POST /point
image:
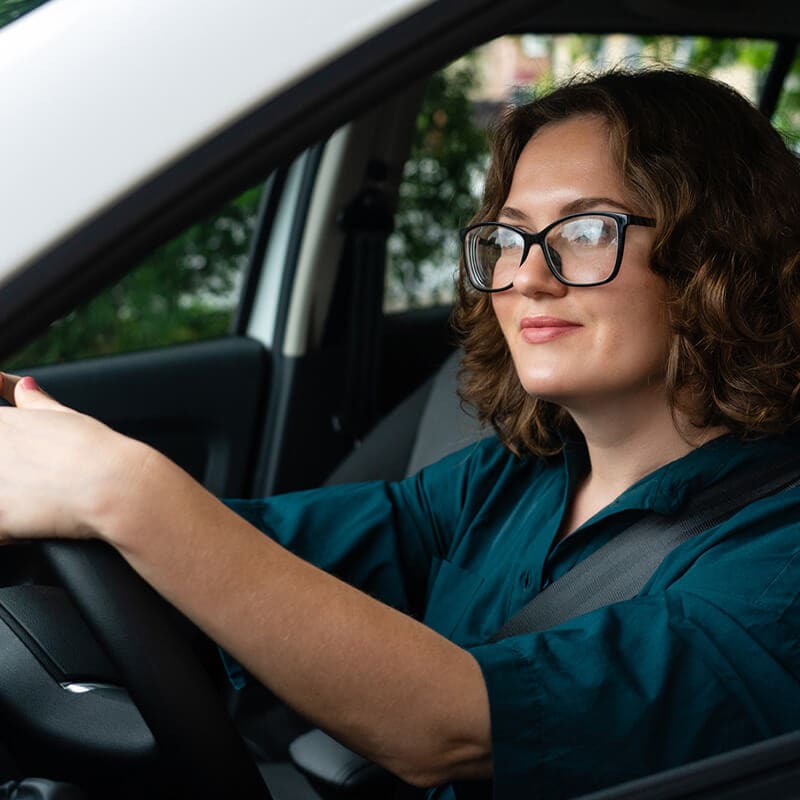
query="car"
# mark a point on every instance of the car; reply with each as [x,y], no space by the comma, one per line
[229,230]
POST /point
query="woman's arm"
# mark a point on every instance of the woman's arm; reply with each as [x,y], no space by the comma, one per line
[376,679]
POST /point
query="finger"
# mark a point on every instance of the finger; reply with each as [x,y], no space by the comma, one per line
[28,394]
[8,384]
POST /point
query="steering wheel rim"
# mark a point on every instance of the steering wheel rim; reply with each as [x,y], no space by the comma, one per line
[200,749]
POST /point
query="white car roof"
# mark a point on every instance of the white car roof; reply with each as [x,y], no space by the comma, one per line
[98,96]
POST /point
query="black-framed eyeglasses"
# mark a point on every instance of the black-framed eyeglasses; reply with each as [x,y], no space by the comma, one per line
[582,249]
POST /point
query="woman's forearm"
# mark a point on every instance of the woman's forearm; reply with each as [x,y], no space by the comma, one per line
[376,679]
[384,684]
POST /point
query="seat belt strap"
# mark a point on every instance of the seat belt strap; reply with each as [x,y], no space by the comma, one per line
[367,222]
[620,568]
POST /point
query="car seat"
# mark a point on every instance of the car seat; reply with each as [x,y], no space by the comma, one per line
[428,425]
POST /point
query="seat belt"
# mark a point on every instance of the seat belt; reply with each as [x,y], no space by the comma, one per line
[617,571]
[621,567]
[367,222]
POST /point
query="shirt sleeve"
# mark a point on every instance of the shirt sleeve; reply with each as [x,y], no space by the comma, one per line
[631,689]
[380,537]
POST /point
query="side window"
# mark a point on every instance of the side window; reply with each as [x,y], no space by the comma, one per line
[787,115]
[186,290]
[14,9]
[440,190]
[443,177]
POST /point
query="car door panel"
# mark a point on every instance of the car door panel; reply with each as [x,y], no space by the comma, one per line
[200,404]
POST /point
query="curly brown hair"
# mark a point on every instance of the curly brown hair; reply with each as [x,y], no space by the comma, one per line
[725,192]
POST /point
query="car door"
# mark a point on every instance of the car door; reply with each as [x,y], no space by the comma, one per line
[199,351]
[229,407]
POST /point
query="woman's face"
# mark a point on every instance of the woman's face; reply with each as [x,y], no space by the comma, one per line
[576,346]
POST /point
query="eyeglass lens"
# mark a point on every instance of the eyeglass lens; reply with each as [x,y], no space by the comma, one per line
[582,250]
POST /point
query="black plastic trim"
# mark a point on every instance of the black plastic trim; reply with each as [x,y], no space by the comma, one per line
[765,769]
[307,181]
[769,19]
[24,636]
[277,409]
[46,622]
[169,398]
[270,201]
[53,730]
[778,70]
[203,756]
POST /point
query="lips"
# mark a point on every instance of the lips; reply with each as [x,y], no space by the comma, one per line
[545,329]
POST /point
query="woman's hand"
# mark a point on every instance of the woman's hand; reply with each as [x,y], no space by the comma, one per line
[332,652]
[59,469]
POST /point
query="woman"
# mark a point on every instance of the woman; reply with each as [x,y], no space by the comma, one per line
[628,312]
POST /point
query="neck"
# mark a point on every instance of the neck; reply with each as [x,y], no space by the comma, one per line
[627,441]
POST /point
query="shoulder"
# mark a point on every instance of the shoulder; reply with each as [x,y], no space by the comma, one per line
[751,559]
[481,478]
[485,460]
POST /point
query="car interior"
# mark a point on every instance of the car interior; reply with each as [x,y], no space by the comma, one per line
[333,362]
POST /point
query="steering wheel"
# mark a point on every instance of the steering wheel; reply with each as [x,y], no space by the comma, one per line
[203,755]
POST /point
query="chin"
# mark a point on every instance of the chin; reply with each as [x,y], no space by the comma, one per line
[549,390]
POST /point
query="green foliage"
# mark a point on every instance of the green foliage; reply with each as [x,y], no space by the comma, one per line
[13,9]
[440,190]
[710,54]
[787,115]
[585,47]
[184,291]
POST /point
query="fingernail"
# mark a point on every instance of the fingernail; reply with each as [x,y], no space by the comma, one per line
[29,383]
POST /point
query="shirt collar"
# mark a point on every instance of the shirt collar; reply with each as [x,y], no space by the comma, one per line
[666,489]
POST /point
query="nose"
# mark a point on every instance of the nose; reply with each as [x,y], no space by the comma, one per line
[534,276]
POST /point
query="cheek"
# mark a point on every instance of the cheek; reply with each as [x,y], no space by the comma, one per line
[503,311]
[638,328]
[644,331]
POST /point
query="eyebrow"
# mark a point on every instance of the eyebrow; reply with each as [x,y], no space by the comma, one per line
[573,207]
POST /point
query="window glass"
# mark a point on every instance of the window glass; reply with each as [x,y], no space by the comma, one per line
[186,290]
[787,115]
[14,9]
[442,181]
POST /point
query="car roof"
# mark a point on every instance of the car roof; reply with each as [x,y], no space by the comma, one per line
[93,107]
[127,130]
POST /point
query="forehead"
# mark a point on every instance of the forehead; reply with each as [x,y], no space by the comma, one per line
[564,161]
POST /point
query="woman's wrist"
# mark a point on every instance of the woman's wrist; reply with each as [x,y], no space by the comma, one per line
[124,492]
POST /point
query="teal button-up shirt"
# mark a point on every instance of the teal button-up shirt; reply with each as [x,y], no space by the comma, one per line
[704,659]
